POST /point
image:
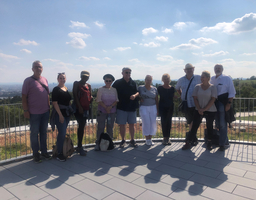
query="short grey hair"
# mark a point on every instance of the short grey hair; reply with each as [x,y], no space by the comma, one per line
[207,74]
[218,65]
[36,62]
[126,68]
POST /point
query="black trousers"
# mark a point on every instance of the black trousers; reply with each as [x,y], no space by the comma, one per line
[197,119]
[81,120]
[166,120]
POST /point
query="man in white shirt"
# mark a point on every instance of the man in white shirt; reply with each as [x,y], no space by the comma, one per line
[226,89]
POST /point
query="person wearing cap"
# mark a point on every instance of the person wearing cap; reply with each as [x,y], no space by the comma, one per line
[82,99]
[226,92]
[107,99]
[182,88]
[36,105]
[127,91]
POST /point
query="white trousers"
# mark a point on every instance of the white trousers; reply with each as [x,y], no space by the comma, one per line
[148,117]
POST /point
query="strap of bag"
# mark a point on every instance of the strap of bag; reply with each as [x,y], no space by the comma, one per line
[188,88]
[43,85]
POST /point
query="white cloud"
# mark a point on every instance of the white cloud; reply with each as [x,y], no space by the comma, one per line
[147,31]
[77,43]
[135,43]
[239,25]
[52,60]
[164,58]
[182,25]
[25,50]
[99,24]
[5,56]
[88,58]
[104,50]
[161,38]
[78,35]
[185,47]
[134,60]
[77,24]
[25,42]
[122,48]
[202,41]
[167,30]
[107,58]
[248,54]
[219,53]
[151,44]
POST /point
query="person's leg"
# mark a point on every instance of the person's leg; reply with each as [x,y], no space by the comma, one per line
[169,121]
[101,119]
[145,118]
[164,123]
[81,125]
[131,130]
[131,119]
[221,123]
[196,122]
[62,129]
[210,116]
[43,131]
[110,124]
[34,130]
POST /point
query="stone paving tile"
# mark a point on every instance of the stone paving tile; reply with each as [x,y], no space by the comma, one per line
[49,197]
[245,192]
[213,183]
[183,184]
[194,161]
[150,164]
[83,196]
[123,174]
[155,186]
[117,196]
[27,190]
[93,189]
[175,171]
[124,187]
[250,175]
[18,168]
[168,161]
[218,194]
[97,176]
[226,169]
[60,190]
[9,179]
[5,194]
[201,170]
[183,194]
[238,180]
[149,195]
[137,153]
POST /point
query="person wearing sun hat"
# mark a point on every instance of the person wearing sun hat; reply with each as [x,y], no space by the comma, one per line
[184,88]
[107,99]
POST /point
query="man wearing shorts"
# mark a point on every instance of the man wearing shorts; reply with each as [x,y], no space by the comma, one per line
[182,86]
[127,91]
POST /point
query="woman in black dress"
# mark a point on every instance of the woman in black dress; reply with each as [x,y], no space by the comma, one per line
[166,92]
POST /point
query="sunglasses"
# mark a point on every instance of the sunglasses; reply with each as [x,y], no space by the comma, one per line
[108,81]
[63,73]
[128,72]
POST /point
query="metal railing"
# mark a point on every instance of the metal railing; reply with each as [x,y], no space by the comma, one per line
[15,131]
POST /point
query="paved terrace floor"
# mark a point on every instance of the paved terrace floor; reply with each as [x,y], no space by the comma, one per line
[155,172]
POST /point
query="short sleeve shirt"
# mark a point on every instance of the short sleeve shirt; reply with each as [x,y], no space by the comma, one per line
[37,95]
[182,85]
[204,96]
[148,96]
[166,97]
[108,96]
[124,91]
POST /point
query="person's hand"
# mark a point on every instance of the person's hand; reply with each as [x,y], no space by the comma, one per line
[132,97]
[108,109]
[81,110]
[61,119]
[227,107]
[201,111]
[27,115]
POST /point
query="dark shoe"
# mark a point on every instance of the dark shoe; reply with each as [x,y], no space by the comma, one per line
[122,144]
[164,142]
[61,158]
[46,156]
[209,146]
[186,146]
[133,143]
[222,148]
[37,158]
[227,145]
[81,151]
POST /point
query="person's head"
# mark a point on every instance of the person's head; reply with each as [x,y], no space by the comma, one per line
[218,69]
[61,78]
[205,77]
[84,76]
[166,79]
[108,79]
[37,68]
[126,72]
[189,69]
[148,80]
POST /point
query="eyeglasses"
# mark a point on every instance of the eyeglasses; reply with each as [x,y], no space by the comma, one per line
[63,73]
[128,72]
[108,81]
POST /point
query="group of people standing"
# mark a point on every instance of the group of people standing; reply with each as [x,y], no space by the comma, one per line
[118,102]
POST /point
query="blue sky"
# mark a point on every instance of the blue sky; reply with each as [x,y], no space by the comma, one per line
[150,37]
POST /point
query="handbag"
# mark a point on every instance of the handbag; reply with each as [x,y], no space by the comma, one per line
[183,107]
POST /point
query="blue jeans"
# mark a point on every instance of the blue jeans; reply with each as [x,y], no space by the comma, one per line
[62,128]
[38,124]
[221,123]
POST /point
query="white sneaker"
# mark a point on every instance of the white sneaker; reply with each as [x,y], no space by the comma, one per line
[148,142]
[152,143]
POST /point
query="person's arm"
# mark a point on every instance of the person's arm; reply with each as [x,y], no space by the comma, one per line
[25,106]
[57,108]
[75,94]
[210,103]
[132,97]
[156,98]
[199,109]
[228,105]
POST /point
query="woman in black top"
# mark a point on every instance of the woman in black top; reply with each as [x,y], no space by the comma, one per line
[61,101]
[166,92]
